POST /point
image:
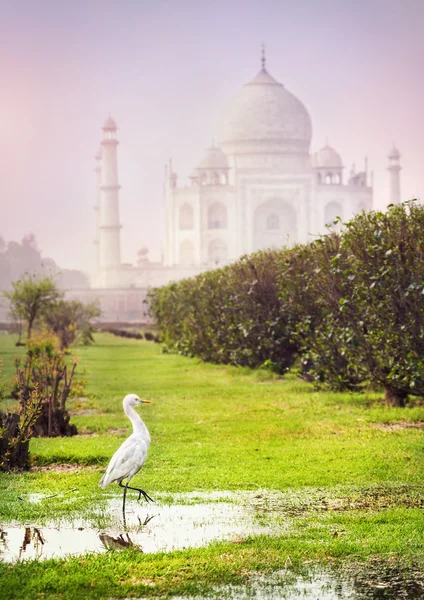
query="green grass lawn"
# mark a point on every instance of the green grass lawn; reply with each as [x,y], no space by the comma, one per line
[222,428]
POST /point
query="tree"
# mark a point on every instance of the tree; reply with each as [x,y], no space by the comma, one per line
[31,297]
[71,319]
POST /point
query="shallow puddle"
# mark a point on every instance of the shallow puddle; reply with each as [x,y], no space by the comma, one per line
[370,581]
[152,528]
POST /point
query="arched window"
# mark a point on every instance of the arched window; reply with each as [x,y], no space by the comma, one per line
[319,177]
[186,217]
[328,178]
[217,251]
[186,253]
[336,179]
[332,211]
[217,216]
[224,179]
[215,179]
[204,179]
[273,221]
[274,224]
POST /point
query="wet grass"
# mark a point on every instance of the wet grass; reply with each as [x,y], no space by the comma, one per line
[350,488]
[361,536]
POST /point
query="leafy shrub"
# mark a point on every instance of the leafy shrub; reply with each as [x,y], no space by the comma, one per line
[385,306]
[351,304]
[311,283]
[231,315]
[71,320]
[45,367]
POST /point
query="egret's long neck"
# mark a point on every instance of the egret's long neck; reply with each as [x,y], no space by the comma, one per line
[137,422]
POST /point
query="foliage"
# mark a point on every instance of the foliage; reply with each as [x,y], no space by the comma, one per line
[45,368]
[231,315]
[31,297]
[71,320]
[384,309]
[351,304]
[360,301]
[17,430]
[17,258]
[311,283]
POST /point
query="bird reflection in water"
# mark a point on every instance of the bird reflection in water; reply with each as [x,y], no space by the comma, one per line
[123,540]
[35,536]
[119,542]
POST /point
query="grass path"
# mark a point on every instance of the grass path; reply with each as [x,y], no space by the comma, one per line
[223,428]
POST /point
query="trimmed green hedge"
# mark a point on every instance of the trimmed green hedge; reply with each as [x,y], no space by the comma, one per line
[351,305]
[231,315]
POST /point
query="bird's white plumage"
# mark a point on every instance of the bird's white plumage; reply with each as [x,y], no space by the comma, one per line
[127,461]
[132,454]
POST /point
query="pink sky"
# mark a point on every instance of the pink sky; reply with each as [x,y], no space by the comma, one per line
[165,69]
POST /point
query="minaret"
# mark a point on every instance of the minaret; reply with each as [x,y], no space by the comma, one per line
[109,226]
[394,170]
[98,171]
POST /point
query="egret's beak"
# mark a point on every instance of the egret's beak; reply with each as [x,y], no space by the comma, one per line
[146,401]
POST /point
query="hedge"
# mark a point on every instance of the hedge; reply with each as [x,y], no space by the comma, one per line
[349,305]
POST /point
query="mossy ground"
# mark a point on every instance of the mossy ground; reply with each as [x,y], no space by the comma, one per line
[352,489]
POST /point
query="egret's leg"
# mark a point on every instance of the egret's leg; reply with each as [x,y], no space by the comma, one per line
[140,492]
[125,495]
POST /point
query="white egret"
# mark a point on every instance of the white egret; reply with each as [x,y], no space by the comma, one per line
[131,456]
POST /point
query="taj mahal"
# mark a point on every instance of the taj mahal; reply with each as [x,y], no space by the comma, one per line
[259,187]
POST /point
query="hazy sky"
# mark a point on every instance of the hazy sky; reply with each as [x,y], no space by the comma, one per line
[164,69]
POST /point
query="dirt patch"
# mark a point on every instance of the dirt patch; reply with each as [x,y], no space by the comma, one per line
[65,468]
[82,406]
[84,432]
[399,425]
[119,431]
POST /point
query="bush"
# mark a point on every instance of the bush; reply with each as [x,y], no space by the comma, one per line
[350,304]
[231,315]
[385,307]
[311,283]
[71,320]
[45,368]
[358,302]
[15,430]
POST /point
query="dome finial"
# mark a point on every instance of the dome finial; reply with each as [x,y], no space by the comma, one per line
[263,57]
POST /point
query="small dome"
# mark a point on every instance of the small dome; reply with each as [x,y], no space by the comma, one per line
[327,157]
[264,113]
[109,124]
[394,153]
[213,158]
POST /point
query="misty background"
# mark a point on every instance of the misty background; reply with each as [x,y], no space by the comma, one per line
[165,70]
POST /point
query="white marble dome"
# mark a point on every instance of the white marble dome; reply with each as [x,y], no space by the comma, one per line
[264,115]
[213,158]
[327,157]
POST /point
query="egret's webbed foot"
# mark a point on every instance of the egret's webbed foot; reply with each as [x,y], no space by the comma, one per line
[140,492]
[145,496]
